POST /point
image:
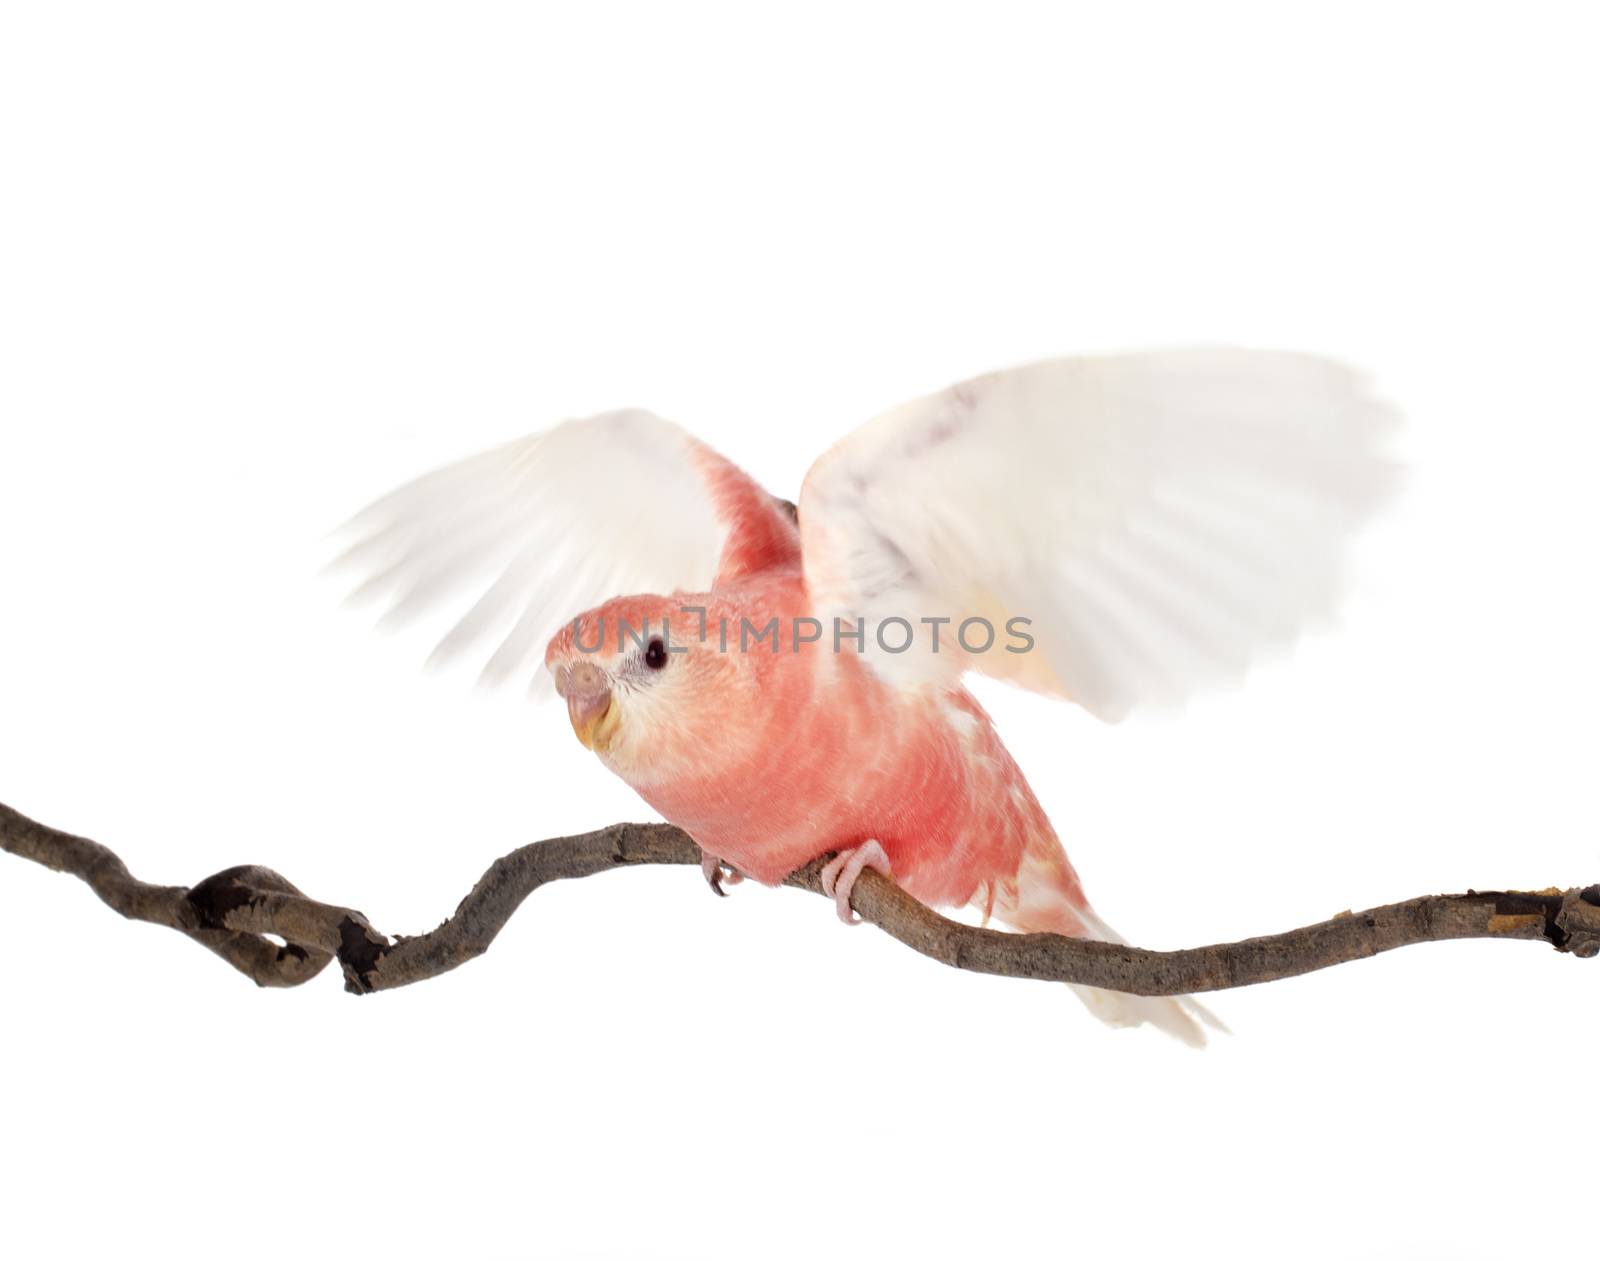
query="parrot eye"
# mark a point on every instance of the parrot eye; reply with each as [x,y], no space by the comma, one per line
[655,656]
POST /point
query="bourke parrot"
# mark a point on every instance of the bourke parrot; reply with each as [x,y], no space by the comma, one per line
[784,682]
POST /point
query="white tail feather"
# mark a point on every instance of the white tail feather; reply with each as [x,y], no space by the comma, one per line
[1047,898]
[1182,1017]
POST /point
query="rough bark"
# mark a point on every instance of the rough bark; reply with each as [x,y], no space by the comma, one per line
[231,912]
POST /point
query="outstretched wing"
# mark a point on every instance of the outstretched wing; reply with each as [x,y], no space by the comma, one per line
[522,538]
[1162,519]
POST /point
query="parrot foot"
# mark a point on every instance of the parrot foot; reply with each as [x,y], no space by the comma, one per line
[839,876]
[716,871]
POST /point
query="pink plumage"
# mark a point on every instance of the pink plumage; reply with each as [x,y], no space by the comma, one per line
[840,755]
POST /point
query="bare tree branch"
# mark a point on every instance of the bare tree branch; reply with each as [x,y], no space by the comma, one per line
[231,912]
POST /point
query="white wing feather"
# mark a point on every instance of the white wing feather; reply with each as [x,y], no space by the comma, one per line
[1164,519]
[518,540]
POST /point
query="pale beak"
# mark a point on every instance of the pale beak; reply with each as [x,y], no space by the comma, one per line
[590,707]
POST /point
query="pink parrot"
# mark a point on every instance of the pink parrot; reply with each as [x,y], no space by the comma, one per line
[1115,531]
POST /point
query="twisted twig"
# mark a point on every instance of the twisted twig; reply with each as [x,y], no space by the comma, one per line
[230,911]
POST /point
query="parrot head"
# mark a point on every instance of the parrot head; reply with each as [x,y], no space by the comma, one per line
[645,689]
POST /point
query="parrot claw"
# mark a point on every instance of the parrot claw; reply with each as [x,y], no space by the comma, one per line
[716,871]
[839,876]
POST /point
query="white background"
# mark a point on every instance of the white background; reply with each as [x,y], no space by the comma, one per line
[259,263]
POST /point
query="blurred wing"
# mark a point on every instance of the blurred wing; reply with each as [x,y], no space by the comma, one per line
[1163,519]
[518,540]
